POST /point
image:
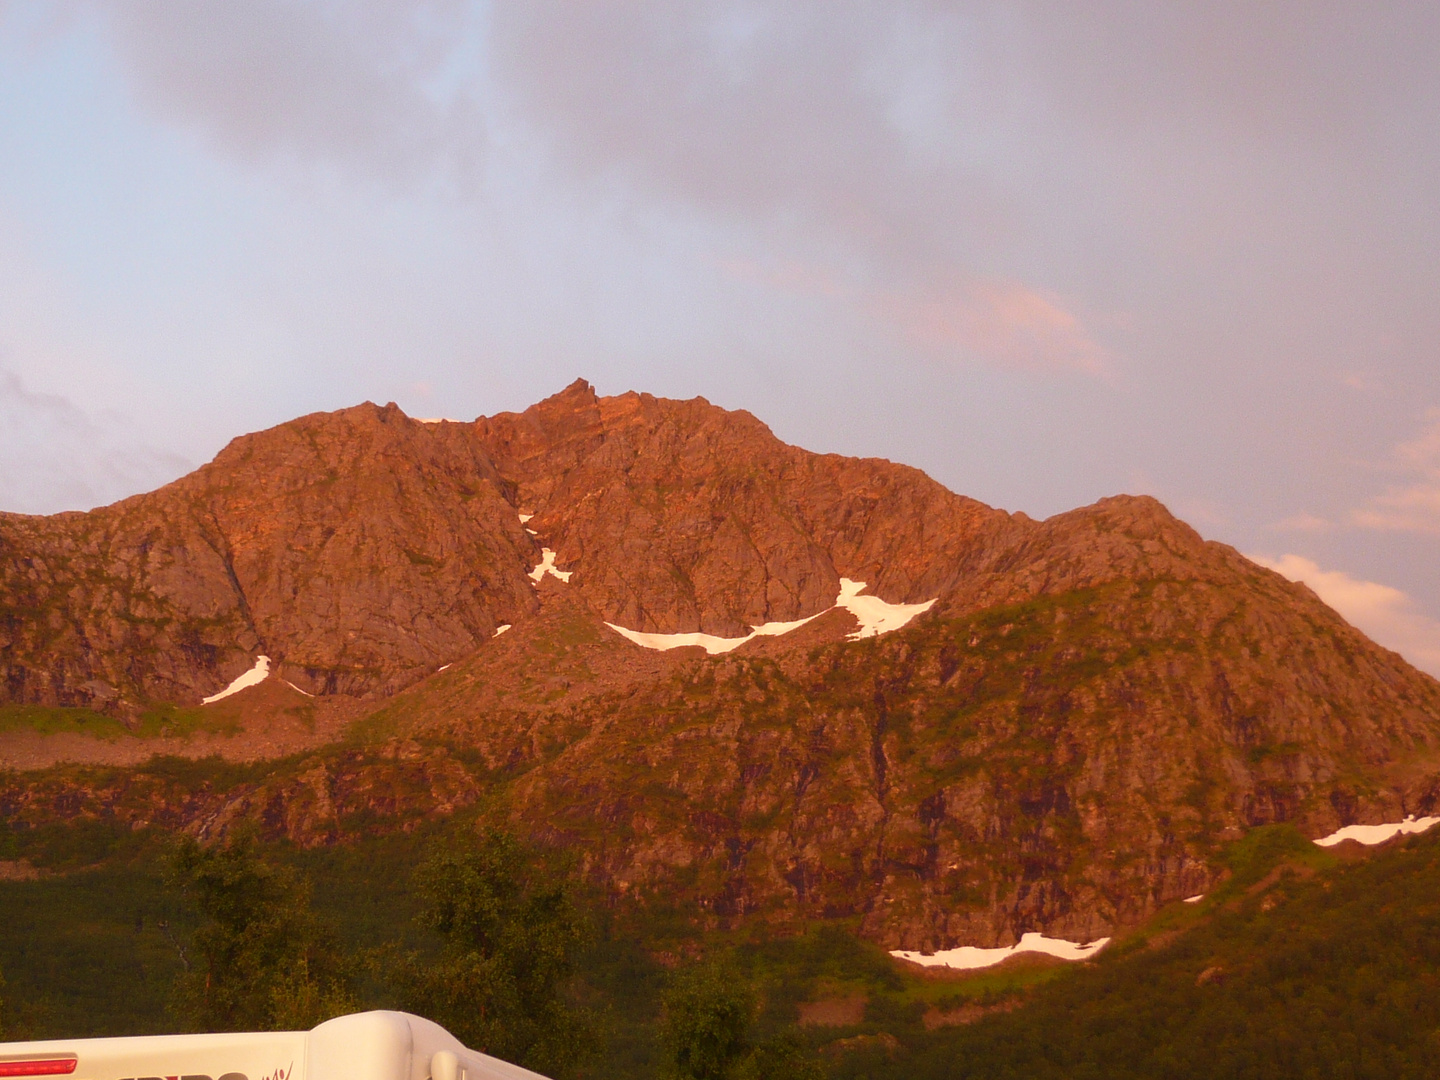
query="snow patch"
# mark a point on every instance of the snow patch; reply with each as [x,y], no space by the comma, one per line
[968,957]
[532,532]
[874,615]
[297,689]
[254,677]
[501,628]
[525,518]
[547,566]
[1195,899]
[1377,834]
[444,667]
[709,642]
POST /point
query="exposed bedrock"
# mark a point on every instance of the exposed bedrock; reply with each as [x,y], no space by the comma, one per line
[1093,704]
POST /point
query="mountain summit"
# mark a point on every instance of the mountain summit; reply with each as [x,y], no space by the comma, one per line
[773,683]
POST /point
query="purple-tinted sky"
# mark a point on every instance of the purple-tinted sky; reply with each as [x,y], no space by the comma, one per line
[1046,252]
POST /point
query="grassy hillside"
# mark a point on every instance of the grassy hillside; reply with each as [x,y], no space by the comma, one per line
[94,942]
[1302,964]
[161,720]
[1312,969]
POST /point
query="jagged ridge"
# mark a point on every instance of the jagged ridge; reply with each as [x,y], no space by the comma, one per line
[1094,703]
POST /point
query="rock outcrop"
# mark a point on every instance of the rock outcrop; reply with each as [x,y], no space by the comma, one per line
[1092,705]
[358,549]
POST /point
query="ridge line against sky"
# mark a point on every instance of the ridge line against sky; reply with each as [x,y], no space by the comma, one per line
[1045,252]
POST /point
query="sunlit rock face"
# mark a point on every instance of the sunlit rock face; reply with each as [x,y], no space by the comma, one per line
[765,683]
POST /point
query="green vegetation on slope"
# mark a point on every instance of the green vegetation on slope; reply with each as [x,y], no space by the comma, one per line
[512,934]
[89,951]
[1310,971]
[54,719]
[1301,964]
[260,958]
[161,721]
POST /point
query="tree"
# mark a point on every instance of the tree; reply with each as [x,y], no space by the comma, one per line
[780,1058]
[260,959]
[512,934]
[708,1009]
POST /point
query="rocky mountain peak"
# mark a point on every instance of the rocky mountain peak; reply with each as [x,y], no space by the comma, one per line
[361,549]
[1067,720]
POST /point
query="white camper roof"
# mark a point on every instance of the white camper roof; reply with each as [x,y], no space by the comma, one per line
[362,1046]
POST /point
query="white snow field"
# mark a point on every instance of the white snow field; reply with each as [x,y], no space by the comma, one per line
[254,677]
[969,957]
[501,628]
[1195,899]
[547,566]
[1377,834]
[709,642]
[875,616]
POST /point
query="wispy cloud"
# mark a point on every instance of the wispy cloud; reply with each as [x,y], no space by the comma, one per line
[1388,615]
[849,139]
[997,322]
[384,87]
[1413,506]
[1303,522]
[792,276]
[1002,322]
[58,457]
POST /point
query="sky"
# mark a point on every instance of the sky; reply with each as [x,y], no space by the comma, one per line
[1045,252]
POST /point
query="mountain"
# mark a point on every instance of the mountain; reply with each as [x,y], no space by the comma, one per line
[988,724]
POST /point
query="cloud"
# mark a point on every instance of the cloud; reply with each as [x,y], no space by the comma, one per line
[1193,510]
[736,107]
[792,276]
[857,137]
[1000,322]
[1423,453]
[1412,507]
[1302,522]
[1003,322]
[58,457]
[377,85]
[1386,614]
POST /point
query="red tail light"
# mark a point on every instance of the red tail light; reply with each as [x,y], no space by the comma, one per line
[57,1066]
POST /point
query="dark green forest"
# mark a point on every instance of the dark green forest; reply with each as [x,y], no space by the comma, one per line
[1303,964]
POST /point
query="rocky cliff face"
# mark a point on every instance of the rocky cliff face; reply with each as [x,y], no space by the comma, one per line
[678,516]
[358,549]
[1091,706]
[1065,760]
[362,549]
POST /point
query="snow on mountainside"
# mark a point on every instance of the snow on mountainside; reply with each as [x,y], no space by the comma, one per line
[874,615]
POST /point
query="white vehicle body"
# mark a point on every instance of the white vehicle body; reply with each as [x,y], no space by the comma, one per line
[362,1046]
